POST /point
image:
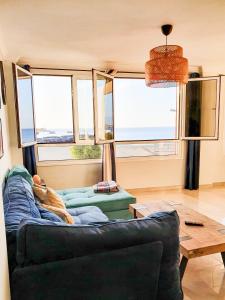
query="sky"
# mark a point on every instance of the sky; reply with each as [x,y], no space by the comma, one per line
[135,104]
[25,103]
[53,102]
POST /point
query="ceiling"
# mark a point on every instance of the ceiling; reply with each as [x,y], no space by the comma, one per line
[85,34]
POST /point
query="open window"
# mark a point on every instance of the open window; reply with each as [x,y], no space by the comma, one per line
[54,108]
[84,114]
[201,109]
[103,107]
[24,106]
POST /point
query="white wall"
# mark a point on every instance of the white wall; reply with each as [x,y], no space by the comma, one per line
[139,173]
[5,163]
[73,175]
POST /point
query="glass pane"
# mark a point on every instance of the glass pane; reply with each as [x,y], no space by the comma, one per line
[153,149]
[105,107]
[77,152]
[201,102]
[143,113]
[25,106]
[85,109]
[53,106]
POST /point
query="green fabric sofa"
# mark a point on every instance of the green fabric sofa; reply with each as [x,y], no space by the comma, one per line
[114,205]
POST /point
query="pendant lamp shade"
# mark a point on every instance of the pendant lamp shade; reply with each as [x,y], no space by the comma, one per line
[166,66]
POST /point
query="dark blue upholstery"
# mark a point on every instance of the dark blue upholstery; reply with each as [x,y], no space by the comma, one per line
[19,202]
[46,214]
[20,205]
[94,239]
[87,214]
[135,259]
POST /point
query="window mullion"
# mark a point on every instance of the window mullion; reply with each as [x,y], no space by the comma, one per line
[75,109]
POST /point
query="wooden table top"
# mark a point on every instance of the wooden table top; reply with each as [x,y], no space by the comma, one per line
[195,241]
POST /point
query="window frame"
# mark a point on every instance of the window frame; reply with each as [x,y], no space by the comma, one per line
[183,110]
[45,163]
[15,69]
[123,75]
[75,75]
[96,112]
[179,155]
[87,74]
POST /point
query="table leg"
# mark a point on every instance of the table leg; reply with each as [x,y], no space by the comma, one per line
[183,265]
[223,257]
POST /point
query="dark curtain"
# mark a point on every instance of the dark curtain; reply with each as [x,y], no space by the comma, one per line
[192,165]
[193,93]
[109,162]
[29,160]
[113,160]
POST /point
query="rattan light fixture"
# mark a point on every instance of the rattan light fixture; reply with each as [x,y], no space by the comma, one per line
[166,66]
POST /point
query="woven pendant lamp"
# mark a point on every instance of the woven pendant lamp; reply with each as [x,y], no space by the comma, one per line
[166,66]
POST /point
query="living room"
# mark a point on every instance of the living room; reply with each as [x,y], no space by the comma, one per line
[143,138]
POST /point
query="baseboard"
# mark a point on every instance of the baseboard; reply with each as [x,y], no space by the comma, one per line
[222,183]
[157,188]
[174,187]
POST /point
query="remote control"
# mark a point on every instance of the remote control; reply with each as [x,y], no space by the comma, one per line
[193,223]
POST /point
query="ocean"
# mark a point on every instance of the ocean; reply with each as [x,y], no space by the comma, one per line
[144,133]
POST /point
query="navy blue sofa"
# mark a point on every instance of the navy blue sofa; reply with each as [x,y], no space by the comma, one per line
[92,260]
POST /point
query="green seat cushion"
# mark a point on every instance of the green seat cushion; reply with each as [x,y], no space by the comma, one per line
[119,214]
[77,197]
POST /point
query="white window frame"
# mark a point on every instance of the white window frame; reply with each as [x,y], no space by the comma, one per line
[178,110]
[62,162]
[178,155]
[183,112]
[180,144]
[75,75]
[96,112]
[87,74]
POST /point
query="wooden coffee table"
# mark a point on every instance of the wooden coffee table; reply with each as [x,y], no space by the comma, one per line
[194,241]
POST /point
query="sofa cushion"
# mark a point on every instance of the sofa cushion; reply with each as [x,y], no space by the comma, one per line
[22,171]
[87,215]
[86,196]
[19,202]
[46,214]
[40,244]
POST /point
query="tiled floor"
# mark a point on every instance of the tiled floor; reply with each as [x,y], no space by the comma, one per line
[204,278]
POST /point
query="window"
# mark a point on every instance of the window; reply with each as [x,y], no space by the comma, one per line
[85,109]
[68,103]
[201,108]
[24,106]
[103,102]
[53,108]
[148,149]
[143,113]
[73,152]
